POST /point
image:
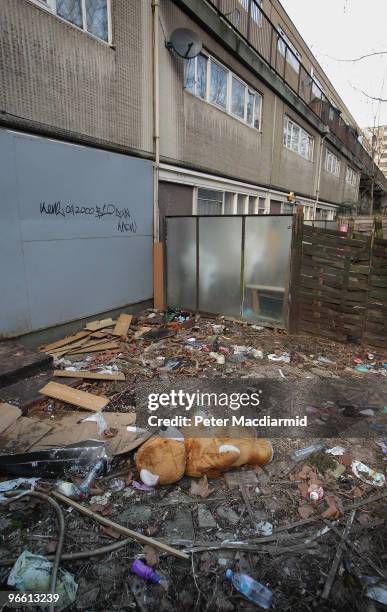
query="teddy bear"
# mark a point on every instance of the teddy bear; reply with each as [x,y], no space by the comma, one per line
[162,460]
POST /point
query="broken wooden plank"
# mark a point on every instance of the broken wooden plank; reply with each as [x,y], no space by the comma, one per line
[47,348]
[120,528]
[106,346]
[122,325]
[89,374]
[97,325]
[8,415]
[88,401]
[338,555]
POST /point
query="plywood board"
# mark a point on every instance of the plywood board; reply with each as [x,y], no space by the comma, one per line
[96,325]
[64,341]
[88,374]
[8,415]
[23,434]
[71,428]
[122,325]
[69,347]
[97,347]
[88,401]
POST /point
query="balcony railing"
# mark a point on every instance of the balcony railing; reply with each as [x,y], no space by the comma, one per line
[253,25]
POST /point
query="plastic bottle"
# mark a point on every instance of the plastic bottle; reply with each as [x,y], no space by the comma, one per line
[144,571]
[254,591]
[87,482]
[303,453]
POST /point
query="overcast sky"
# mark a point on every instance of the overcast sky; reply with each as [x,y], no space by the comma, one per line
[347,29]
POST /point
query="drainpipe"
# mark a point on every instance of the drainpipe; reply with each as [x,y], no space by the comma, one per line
[319,174]
[156,119]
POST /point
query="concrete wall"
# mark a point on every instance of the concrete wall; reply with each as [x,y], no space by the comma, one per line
[57,78]
[75,232]
[201,136]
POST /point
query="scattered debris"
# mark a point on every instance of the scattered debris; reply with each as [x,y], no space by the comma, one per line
[367,474]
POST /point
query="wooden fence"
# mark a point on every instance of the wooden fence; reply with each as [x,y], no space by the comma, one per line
[340,285]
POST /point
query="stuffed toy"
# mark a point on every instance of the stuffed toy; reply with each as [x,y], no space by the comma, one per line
[165,460]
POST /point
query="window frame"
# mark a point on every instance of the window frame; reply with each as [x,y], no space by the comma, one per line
[351,171]
[328,166]
[50,7]
[256,114]
[256,14]
[295,55]
[301,132]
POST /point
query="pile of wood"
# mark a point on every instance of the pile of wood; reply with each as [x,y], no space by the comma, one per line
[95,337]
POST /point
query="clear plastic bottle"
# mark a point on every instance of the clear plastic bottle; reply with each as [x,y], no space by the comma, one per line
[254,591]
[303,453]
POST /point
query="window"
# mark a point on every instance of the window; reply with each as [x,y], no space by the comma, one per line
[92,16]
[332,163]
[255,9]
[196,75]
[317,88]
[292,55]
[297,139]
[209,80]
[210,202]
[351,176]
[218,86]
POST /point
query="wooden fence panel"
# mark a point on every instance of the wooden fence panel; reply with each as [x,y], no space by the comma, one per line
[375,328]
[333,289]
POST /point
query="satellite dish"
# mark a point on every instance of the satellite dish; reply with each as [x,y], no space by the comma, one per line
[185,43]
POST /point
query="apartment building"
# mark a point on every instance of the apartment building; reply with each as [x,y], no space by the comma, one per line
[104,130]
[375,141]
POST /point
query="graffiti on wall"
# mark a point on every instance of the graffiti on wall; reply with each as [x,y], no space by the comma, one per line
[125,221]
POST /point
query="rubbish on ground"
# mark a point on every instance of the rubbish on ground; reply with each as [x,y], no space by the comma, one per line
[365,369]
[253,591]
[11,485]
[285,357]
[377,589]
[8,415]
[32,573]
[88,401]
[303,453]
[257,327]
[140,486]
[97,325]
[257,354]
[367,474]
[159,334]
[322,359]
[120,528]
[122,325]
[264,528]
[337,559]
[173,364]
[144,571]
[117,484]
[218,329]
[220,359]
[337,451]
[315,492]
[162,459]
[98,418]
[338,471]
[367,412]
[69,373]
[370,356]
[357,360]
[55,461]
[101,500]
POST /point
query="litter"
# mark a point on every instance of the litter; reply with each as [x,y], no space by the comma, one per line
[303,453]
[117,484]
[337,451]
[285,357]
[32,573]
[315,492]
[326,360]
[142,487]
[264,528]
[367,474]
[378,590]
[253,591]
[10,485]
[144,571]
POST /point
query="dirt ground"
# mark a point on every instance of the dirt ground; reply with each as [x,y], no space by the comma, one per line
[257,521]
